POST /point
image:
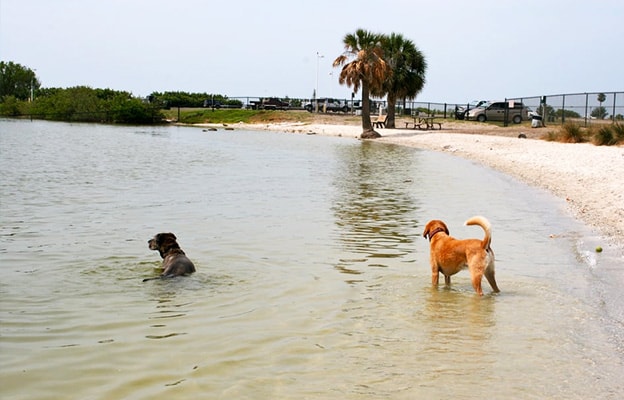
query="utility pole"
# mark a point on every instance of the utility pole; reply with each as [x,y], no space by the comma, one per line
[318,57]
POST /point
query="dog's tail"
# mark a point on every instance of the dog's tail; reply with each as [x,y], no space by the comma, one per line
[487,227]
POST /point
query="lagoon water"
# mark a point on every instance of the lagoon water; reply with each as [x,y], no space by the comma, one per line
[313,279]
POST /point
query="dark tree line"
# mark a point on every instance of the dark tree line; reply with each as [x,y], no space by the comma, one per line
[21,95]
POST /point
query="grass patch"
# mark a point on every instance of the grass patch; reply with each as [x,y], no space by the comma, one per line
[608,135]
[572,133]
[233,116]
[618,132]
[603,135]
[551,136]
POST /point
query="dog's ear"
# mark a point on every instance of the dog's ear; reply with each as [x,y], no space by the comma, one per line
[435,225]
[427,230]
[161,237]
[165,239]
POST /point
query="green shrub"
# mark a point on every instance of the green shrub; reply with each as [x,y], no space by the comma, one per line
[10,107]
[604,136]
[572,133]
[618,132]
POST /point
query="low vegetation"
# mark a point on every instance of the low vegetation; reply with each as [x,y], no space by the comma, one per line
[186,99]
[83,104]
[233,116]
[601,135]
[609,135]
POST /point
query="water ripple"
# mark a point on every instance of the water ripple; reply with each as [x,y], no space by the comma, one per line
[312,279]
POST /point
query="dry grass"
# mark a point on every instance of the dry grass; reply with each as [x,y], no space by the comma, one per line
[601,135]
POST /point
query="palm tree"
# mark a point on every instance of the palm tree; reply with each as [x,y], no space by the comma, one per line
[601,98]
[363,66]
[408,67]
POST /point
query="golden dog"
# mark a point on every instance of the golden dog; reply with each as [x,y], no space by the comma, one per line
[450,255]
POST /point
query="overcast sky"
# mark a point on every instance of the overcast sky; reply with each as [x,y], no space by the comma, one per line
[475,49]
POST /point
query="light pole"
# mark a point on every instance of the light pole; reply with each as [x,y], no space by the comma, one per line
[318,57]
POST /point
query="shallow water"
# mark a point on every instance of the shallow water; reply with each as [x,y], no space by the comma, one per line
[313,277]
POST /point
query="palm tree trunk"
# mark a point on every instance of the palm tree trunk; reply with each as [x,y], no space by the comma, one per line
[391,111]
[367,127]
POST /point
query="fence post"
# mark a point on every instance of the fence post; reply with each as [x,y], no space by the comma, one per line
[586,106]
[563,110]
[506,112]
[613,113]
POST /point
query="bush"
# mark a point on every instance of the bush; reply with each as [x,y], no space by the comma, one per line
[572,133]
[604,137]
[618,132]
[84,104]
[609,135]
[551,136]
[10,107]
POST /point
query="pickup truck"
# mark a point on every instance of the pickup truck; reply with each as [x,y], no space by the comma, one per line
[270,103]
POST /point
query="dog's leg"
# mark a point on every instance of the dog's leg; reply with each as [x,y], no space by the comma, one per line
[477,266]
[489,275]
[476,283]
[435,274]
[160,277]
[447,280]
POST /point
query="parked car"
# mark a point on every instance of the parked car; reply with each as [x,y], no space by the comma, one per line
[327,104]
[374,105]
[461,110]
[270,103]
[212,103]
[496,111]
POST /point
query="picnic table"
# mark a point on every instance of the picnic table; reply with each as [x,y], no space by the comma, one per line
[424,123]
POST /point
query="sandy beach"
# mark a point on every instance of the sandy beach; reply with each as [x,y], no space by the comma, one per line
[588,177]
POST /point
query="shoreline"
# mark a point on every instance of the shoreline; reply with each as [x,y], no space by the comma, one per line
[586,176]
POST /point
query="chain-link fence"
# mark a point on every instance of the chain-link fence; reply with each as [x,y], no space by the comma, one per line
[583,108]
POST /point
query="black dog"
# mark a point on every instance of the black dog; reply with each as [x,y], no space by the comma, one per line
[175,261]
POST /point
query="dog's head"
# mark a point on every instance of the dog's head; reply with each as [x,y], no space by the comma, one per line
[434,226]
[163,242]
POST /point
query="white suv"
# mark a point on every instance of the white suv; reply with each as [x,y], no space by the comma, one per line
[325,105]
